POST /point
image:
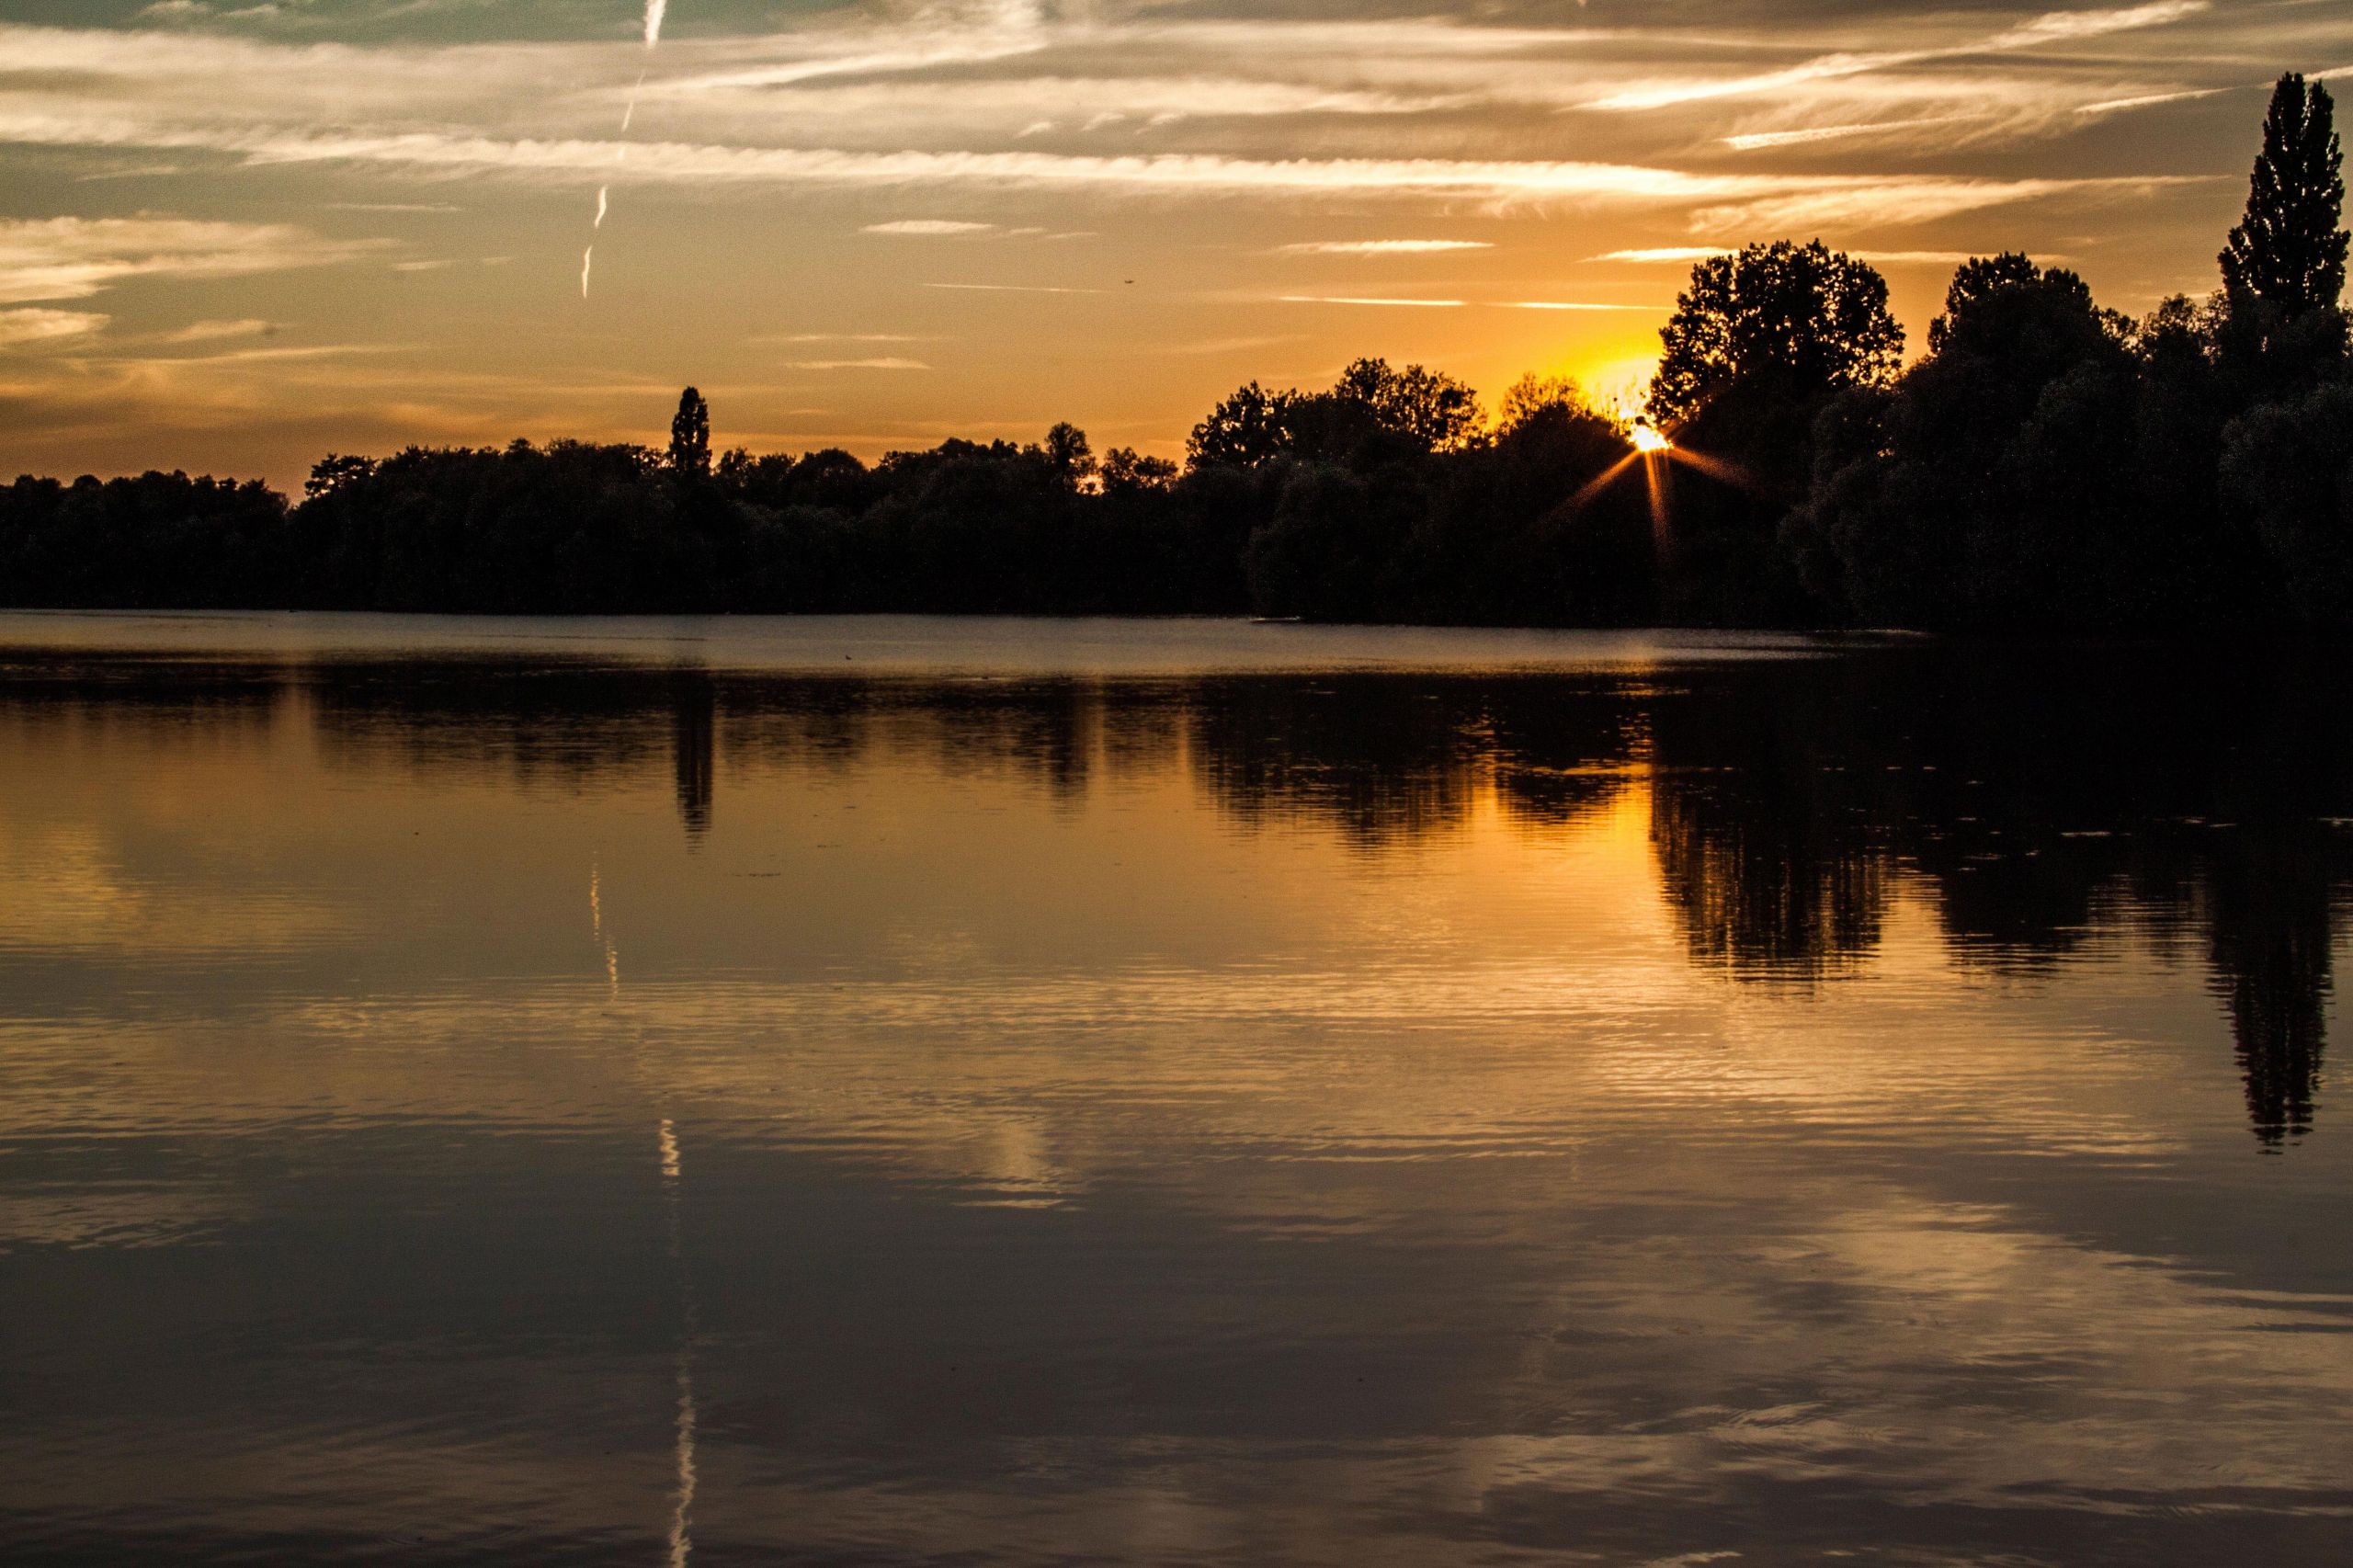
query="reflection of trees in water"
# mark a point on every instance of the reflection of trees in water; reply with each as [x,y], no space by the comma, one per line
[694,714]
[2040,807]
[2271,933]
[1387,758]
[1771,869]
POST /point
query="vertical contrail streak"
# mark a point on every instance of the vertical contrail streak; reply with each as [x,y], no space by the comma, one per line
[656,11]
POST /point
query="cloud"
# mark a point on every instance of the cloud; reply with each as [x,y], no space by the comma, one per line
[73,258]
[2147,100]
[20,327]
[881,364]
[1664,254]
[1030,104]
[1774,198]
[1753,140]
[1381,247]
[1011,289]
[1898,202]
[928,226]
[1234,344]
[844,337]
[2054,27]
[216,331]
[1575,305]
[1362,299]
[131,170]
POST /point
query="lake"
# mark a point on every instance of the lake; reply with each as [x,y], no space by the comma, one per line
[906,1091]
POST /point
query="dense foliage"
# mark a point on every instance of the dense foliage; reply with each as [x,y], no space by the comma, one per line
[2047,464]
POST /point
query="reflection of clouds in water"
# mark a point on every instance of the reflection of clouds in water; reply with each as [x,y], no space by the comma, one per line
[136,1216]
[1339,1036]
[71,891]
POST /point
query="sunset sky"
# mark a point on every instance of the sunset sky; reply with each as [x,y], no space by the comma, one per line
[235,236]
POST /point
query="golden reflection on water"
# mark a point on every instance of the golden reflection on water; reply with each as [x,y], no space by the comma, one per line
[1650,1109]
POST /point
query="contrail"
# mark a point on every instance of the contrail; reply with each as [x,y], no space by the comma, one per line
[656,11]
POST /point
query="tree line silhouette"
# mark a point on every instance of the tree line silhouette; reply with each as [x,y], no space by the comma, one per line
[2047,464]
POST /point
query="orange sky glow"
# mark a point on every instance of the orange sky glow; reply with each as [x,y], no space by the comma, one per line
[234,238]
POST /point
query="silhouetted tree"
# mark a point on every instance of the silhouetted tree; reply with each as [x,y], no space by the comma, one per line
[1374,414]
[1439,413]
[332,472]
[2288,467]
[1991,484]
[1125,471]
[1533,397]
[2287,251]
[1242,431]
[1067,450]
[1780,320]
[690,436]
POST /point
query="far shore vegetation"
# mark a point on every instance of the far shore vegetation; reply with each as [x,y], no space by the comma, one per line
[2047,465]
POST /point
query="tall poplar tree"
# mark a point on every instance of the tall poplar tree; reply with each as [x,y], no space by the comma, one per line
[690,435]
[2287,252]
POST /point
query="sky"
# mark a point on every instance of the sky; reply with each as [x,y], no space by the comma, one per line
[235,236]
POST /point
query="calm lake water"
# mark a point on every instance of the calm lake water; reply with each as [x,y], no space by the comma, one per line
[902,1091]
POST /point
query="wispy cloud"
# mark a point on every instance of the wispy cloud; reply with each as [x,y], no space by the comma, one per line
[877,364]
[1664,254]
[2149,100]
[929,226]
[1573,305]
[134,171]
[217,331]
[1234,344]
[1753,140]
[73,258]
[1365,300]
[2054,27]
[1770,198]
[1011,289]
[21,327]
[1381,247]
[844,337]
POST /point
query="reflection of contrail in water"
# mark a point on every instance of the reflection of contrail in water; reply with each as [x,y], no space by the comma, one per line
[682,1514]
[596,929]
[655,10]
